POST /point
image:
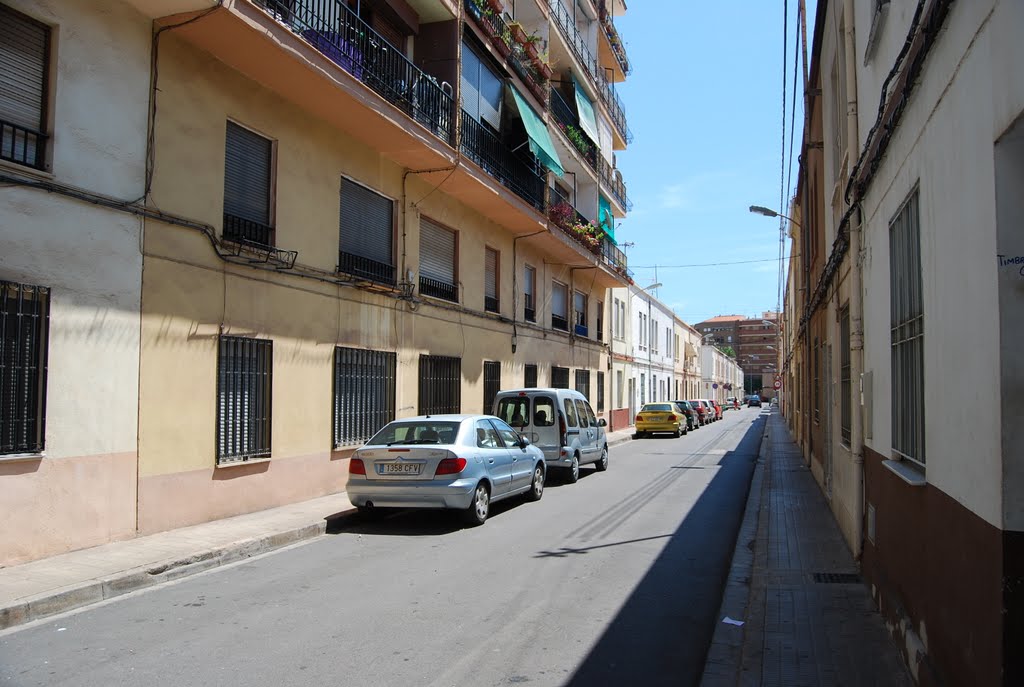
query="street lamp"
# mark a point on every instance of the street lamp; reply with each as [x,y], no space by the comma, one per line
[768,212]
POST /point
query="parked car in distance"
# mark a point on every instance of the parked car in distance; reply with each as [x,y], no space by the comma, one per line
[754,401]
[709,412]
[702,411]
[462,462]
[692,421]
[561,423]
[731,403]
[659,418]
[717,407]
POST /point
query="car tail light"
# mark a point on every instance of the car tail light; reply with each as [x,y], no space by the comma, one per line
[675,418]
[562,432]
[639,418]
[356,467]
[450,466]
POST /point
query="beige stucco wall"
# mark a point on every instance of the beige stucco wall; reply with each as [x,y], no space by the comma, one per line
[81,490]
[190,296]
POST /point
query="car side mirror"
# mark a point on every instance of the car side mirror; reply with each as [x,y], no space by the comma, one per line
[602,422]
[524,441]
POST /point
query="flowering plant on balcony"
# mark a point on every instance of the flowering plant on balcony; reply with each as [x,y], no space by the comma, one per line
[586,233]
[562,214]
[577,138]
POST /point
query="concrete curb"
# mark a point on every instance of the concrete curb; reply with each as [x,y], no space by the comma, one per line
[99,589]
[724,661]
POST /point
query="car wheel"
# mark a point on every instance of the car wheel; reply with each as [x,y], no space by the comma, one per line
[537,486]
[638,435]
[572,473]
[677,433]
[477,512]
[683,429]
[602,464]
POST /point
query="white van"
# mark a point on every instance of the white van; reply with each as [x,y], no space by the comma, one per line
[561,423]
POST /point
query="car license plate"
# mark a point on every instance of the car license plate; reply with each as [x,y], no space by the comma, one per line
[400,468]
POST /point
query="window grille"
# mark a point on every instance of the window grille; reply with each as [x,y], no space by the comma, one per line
[24,335]
[530,294]
[492,384]
[583,382]
[366,234]
[440,385]
[437,261]
[248,168]
[244,383]
[491,280]
[530,376]
[907,333]
[600,392]
[845,401]
[364,393]
[559,377]
[24,67]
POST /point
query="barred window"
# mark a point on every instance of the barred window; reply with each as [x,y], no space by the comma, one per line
[559,377]
[583,382]
[530,376]
[440,385]
[492,383]
[244,383]
[24,334]
[845,402]
[364,393]
[600,392]
[24,70]
[907,334]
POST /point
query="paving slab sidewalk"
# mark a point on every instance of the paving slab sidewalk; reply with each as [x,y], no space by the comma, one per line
[807,617]
[46,587]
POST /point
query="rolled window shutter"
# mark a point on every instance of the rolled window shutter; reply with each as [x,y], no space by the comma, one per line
[247,170]
[470,90]
[559,301]
[437,252]
[24,44]
[367,225]
[491,273]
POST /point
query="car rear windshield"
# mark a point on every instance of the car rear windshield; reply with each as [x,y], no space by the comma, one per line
[515,411]
[416,432]
[656,408]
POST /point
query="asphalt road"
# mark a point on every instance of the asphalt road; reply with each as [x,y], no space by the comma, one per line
[615,580]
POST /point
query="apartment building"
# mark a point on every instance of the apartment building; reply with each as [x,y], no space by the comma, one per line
[909,420]
[754,341]
[350,212]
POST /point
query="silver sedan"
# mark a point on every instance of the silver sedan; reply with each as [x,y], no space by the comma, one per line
[463,462]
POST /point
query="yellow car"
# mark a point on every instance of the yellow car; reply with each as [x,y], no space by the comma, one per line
[663,418]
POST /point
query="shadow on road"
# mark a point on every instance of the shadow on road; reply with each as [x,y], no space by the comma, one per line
[661,634]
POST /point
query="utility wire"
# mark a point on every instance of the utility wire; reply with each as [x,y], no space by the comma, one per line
[708,264]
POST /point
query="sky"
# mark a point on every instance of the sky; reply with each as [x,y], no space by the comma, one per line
[704,102]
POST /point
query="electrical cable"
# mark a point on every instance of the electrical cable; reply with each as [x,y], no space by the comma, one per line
[710,264]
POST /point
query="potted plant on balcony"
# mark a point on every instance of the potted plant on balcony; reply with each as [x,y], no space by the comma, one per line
[497,6]
[544,65]
[532,45]
[518,32]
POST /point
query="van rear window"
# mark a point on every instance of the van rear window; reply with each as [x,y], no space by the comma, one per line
[515,411]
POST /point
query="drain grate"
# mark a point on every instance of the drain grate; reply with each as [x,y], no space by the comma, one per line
[837,578]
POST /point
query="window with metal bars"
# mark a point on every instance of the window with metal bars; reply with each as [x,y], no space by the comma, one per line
[244,389]
[906,306]
[492,383]
[364,394]
[366,233]
[559,377]
[583,382]
[24,70]
[24,335]
[845,401]
[440,385]
[530,376]
[600,392]
[491,303]
[248,179]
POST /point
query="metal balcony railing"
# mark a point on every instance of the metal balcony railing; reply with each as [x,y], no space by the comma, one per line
[338,32]
[438,289]
[491,304]
[485,149]
[501,38]
[613,180]
[605,88]
[618,49]
[22,145]
[366,268]
[246,231]
[559,322]
[569,124]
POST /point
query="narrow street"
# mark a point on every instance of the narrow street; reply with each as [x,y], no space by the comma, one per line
[614,580]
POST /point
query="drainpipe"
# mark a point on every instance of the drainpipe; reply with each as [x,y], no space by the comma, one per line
[856,302]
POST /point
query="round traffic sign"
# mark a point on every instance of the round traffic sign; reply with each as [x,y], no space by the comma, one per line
[714,386]
[778,383]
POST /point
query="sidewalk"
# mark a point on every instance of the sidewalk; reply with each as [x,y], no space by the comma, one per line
[71,580]
[808,618]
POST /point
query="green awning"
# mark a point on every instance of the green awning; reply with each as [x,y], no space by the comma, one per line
[541,144]
[605,217]
[588,121]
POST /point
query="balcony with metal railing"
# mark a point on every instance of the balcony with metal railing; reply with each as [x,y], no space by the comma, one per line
[568,123]
[614,41]
[22,145]
[502,37]
[605,88]
[511,169]
[611,179]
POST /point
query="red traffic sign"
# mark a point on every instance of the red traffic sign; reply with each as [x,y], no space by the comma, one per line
[778,383]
